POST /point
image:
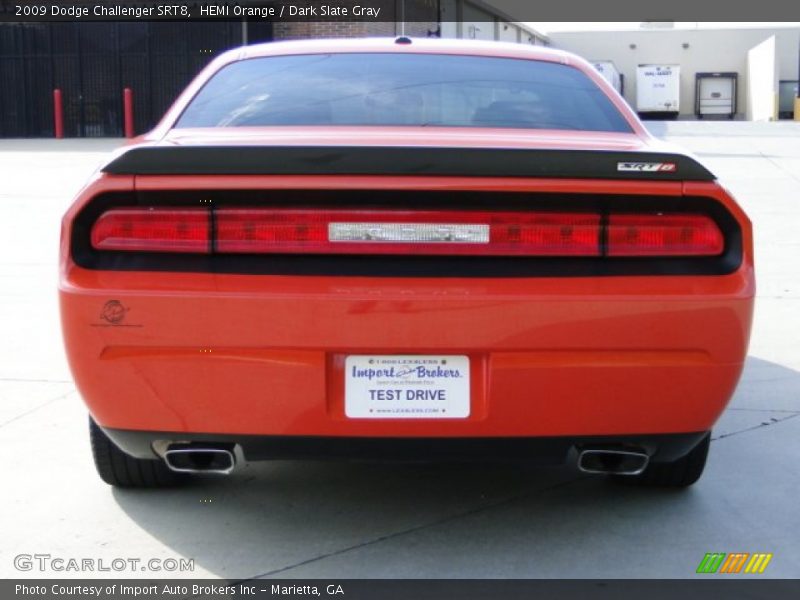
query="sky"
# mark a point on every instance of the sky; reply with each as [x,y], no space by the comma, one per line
[616,26]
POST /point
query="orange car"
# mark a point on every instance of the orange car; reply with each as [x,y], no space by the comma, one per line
[404,249]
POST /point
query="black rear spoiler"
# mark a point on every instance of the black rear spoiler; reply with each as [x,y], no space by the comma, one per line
[381,160]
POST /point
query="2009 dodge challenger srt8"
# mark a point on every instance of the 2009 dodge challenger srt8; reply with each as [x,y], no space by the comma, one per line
[403,249]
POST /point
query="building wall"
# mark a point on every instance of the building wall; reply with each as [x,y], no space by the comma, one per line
[457,19]
[91,63]
[709,50]
[330,29]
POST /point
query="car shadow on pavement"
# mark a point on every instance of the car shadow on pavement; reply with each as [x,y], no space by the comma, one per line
[333,519]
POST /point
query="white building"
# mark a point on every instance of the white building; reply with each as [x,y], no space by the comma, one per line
[478,20]
[761,58]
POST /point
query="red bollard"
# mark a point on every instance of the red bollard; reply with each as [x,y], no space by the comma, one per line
[58,114]
[127,103]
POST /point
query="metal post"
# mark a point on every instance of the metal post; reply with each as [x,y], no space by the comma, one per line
[58,114]
[127,102]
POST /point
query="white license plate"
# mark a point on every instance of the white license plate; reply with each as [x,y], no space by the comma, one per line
[406,387]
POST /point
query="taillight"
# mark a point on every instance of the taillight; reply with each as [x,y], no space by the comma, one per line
[407,232]
[663,235]
[153,230]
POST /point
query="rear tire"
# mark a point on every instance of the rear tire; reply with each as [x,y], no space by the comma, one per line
[122,470]
[680,473]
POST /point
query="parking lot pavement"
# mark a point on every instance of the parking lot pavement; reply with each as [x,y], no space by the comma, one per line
[366,520]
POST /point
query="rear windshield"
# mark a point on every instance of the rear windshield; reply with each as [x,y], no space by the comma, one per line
[403,90]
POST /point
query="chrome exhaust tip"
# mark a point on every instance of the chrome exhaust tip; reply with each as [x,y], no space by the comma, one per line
[615,462]
[200,459]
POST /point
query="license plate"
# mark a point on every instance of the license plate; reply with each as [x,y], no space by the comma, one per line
[407,387]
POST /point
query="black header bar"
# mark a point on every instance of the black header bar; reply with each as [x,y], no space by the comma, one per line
[410,11]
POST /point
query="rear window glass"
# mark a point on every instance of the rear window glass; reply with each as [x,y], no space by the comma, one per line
[402,89]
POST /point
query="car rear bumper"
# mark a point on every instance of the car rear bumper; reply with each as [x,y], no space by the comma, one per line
[532,450]
[247,355]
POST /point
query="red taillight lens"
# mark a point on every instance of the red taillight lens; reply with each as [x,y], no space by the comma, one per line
[407,232]
[663,235]
[153,230]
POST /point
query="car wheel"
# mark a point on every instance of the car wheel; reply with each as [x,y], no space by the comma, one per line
[680,473]
[122,470]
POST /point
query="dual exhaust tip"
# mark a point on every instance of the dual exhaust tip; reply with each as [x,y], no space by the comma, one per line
[221,460]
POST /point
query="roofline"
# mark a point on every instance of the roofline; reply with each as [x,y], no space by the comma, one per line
[420,45]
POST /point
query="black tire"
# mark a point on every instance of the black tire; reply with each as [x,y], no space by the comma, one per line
[681,473]
[122,470]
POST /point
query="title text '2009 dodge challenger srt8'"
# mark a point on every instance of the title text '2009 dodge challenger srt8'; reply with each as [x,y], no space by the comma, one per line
[405,249]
